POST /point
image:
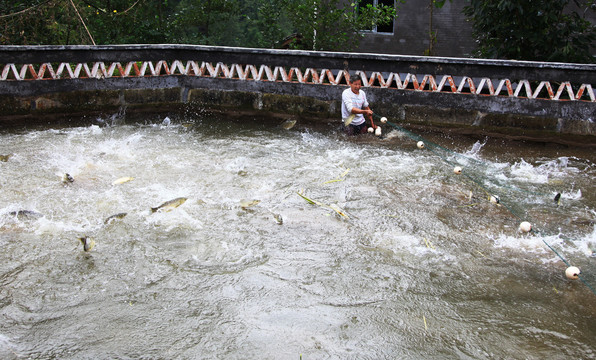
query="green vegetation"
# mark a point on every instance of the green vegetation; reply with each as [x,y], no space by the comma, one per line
[310,24]
[542,30]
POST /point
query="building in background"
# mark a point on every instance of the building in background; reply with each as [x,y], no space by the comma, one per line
[410,32]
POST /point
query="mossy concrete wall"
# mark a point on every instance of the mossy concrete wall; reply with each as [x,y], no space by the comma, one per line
[73,105]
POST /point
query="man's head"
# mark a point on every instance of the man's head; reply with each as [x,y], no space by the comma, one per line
[355,83]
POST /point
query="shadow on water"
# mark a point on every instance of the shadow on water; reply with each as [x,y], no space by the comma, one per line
[387,253]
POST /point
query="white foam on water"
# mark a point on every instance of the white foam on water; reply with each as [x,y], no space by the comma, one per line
[524,243]
[476,148]
[573,195]
[92,130]
[7,345]
[395,198]
[392,134]
[177,218]
[558,167]
[531,243]
[526,172]
[555,170]
[237,164]
[587,244]
[45,226]
[537,331]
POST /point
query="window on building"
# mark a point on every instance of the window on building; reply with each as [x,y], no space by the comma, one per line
[387,28]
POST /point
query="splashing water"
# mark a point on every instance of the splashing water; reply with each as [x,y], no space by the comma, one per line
[423,265]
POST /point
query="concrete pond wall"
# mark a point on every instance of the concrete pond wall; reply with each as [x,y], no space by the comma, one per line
[550,102]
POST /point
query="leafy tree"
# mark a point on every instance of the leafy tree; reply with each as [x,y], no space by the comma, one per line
[333,24]
[209,22]
[127,21]
[541,30]
[266,23]
[38,22]
[322,24]
[60,22]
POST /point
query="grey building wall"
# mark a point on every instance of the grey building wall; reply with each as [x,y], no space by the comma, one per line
[411,31]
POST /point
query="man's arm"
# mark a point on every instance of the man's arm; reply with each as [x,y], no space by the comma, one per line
[367,112]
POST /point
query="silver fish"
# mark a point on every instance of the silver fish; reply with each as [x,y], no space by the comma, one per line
[67,178]
[114,217]
[288,124]
[88,243]
[245,204]
[26,214]
[349,119]
[122,180]
[278,219]
[169,205]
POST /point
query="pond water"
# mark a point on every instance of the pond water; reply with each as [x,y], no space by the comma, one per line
[395,257]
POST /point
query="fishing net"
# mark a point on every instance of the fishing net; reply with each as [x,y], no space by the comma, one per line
[485,177]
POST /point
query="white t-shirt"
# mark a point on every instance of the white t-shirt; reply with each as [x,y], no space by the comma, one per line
[350,100]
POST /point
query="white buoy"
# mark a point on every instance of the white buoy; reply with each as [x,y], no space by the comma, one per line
[457,170]
[383,119]
[378,131]
[572,273]
[525,226]
[371,130]
[420,144]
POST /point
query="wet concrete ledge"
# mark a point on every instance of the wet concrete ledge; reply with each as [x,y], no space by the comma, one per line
[47,101]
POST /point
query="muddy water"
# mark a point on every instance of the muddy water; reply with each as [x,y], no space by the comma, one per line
[398,257]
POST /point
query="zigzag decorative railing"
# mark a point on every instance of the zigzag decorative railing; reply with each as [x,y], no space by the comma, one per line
[467,85]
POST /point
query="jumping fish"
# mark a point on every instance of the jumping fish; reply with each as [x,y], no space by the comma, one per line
[169,205]
[88,243]
[288,124]
[278,218]
[114,217]
[122,180]
[245,204]
[67,178]
[349,119]
[26,214]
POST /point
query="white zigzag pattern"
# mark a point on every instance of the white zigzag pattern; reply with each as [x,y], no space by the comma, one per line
[467,85]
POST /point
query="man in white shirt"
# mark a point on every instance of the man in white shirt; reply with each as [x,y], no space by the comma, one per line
[354,107]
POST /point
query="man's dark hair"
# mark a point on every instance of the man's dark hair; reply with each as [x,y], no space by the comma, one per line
[355,78]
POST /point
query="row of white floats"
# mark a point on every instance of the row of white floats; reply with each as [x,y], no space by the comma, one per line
[572,272]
